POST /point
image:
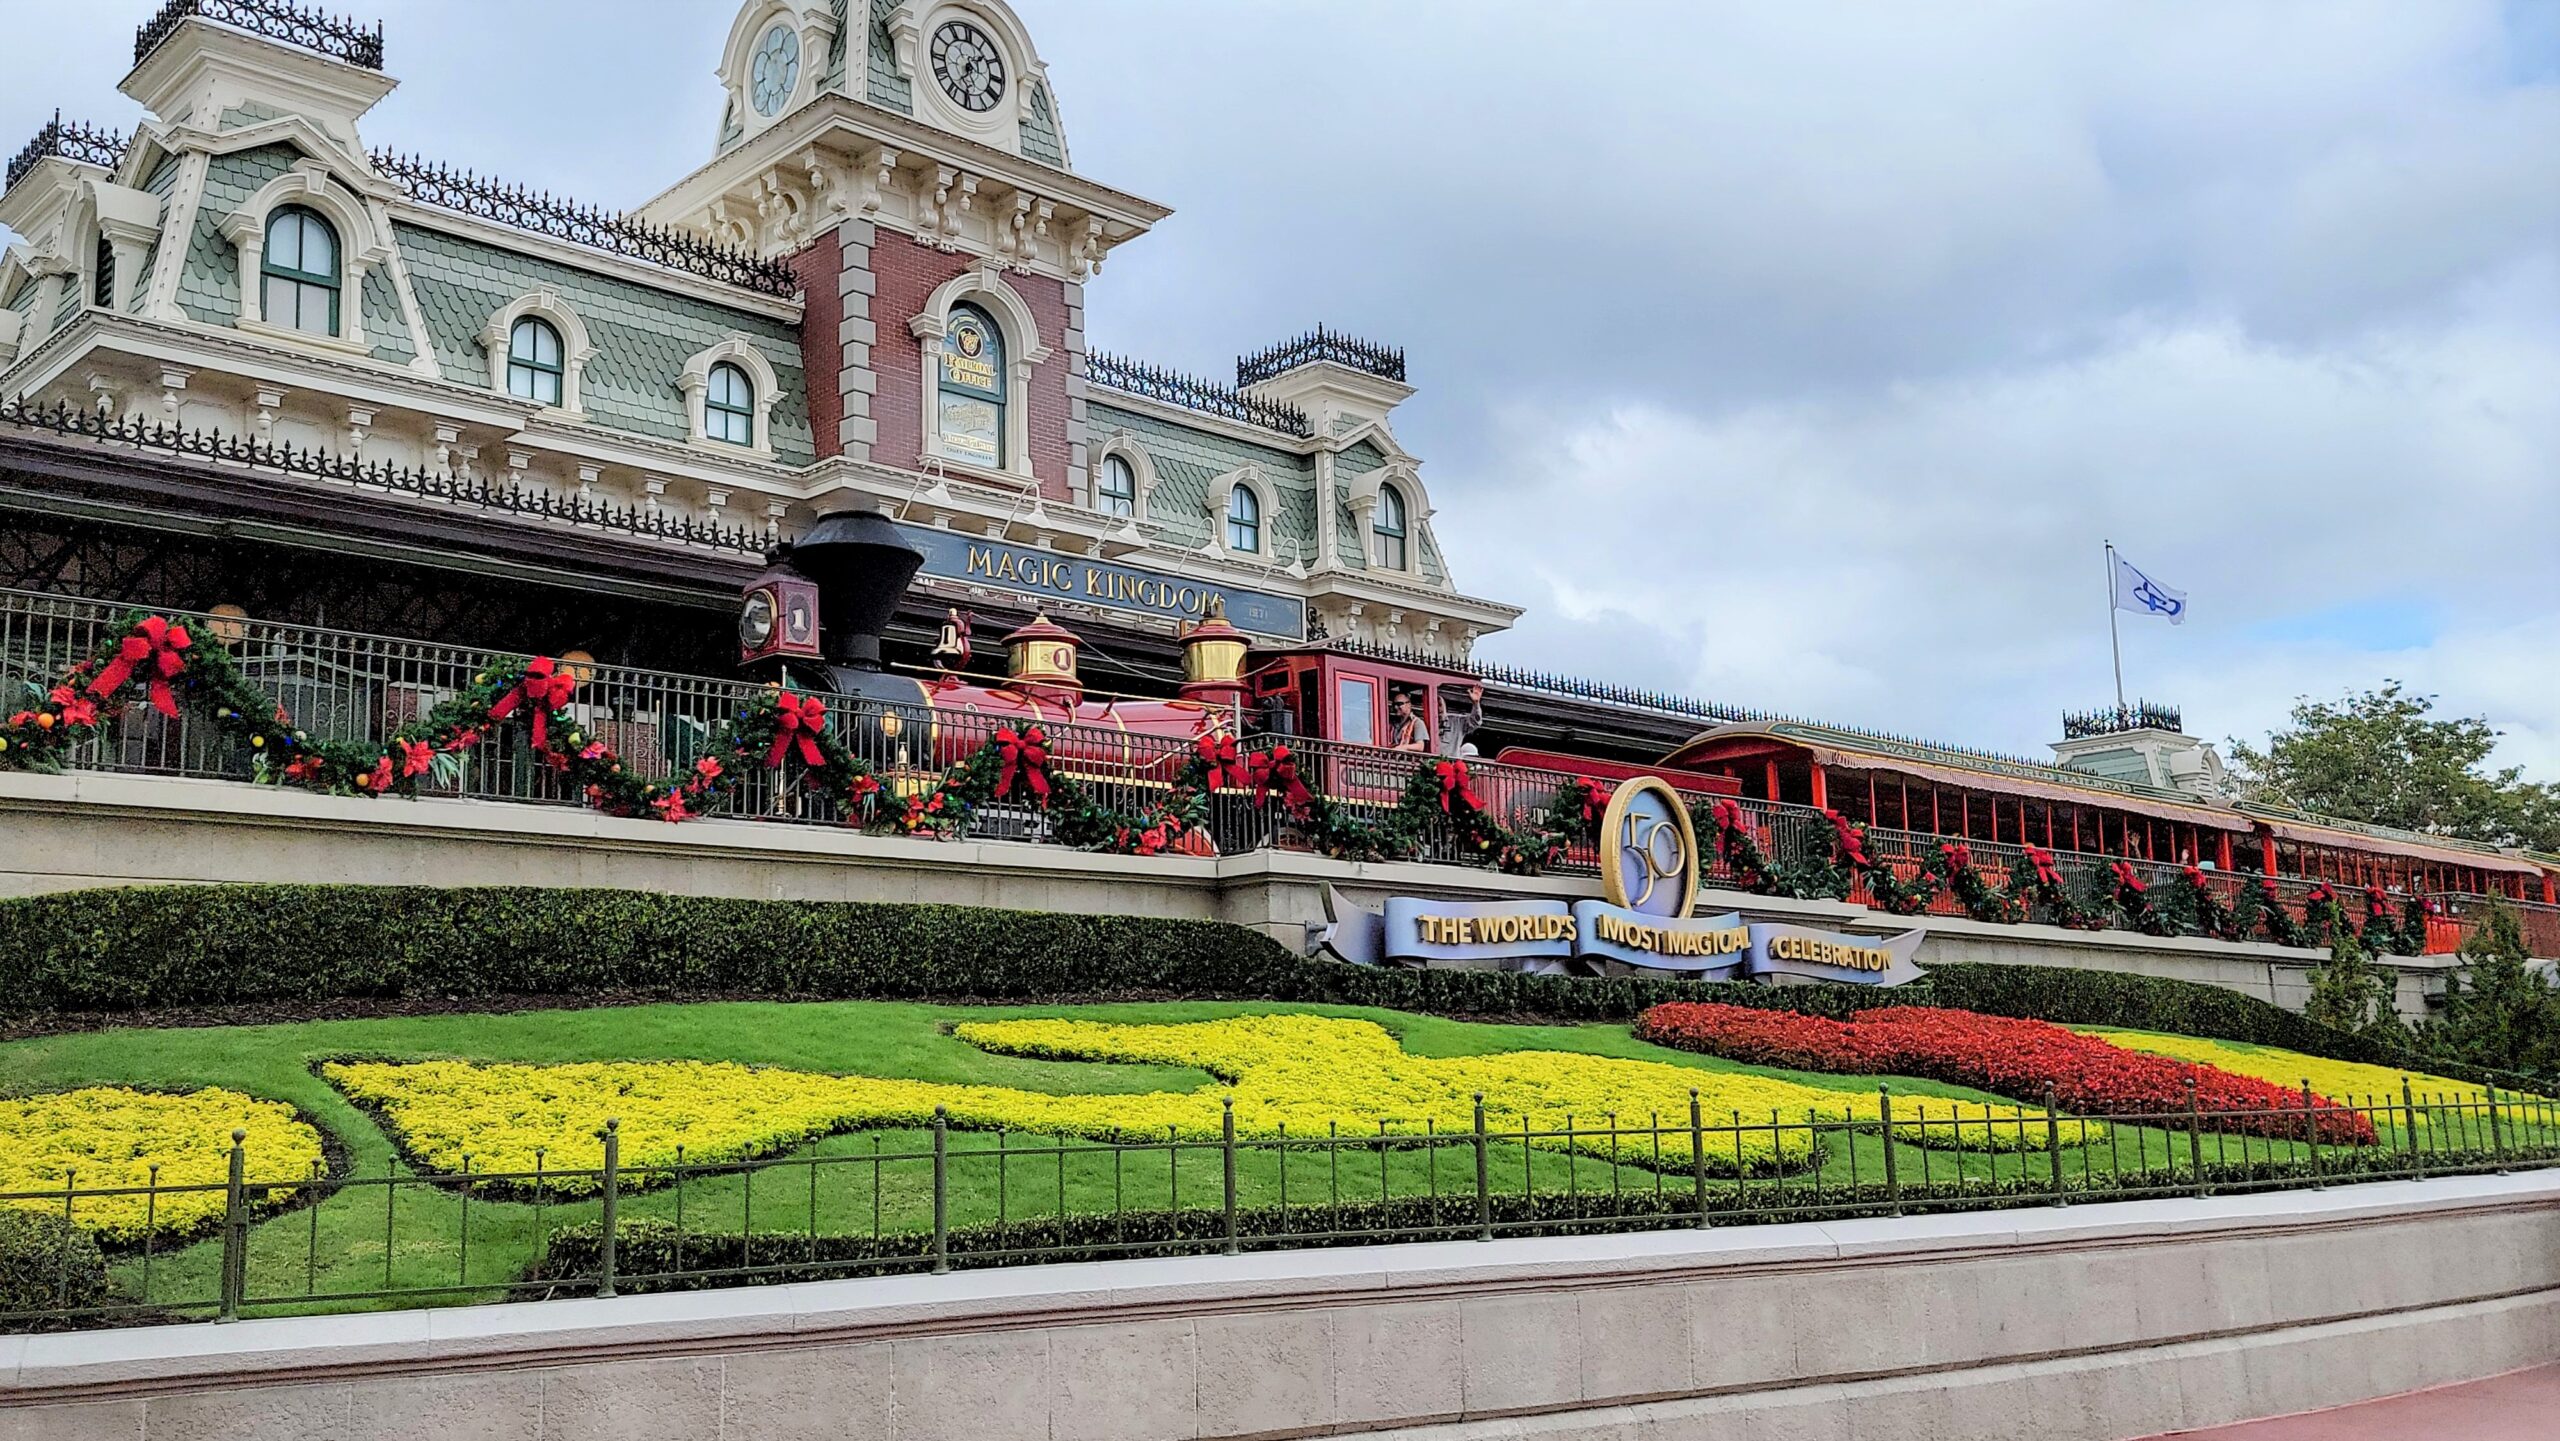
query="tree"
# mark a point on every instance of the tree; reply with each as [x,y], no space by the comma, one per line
[2381,757]
[2351,994]
[2498,1011]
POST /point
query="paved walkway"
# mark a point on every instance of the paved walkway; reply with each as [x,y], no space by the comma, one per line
[2519,1406]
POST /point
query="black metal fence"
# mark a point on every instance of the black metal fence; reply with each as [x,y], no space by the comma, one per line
[281,20]
[936,1198]
[88,144]
[1193,393]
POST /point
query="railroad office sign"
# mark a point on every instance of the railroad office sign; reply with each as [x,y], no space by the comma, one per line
[1649,874]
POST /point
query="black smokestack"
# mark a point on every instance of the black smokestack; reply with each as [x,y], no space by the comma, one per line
[861,565]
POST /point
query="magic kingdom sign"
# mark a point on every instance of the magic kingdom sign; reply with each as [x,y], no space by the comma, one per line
[1042,576]
[1649,879]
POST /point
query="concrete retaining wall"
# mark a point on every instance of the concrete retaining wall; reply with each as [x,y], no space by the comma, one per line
[94,828]
[2083,1324]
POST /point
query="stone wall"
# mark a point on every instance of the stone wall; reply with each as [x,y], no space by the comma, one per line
[2090,1323]
[93,828]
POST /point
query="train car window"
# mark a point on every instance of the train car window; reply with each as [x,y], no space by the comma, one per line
[1357,701]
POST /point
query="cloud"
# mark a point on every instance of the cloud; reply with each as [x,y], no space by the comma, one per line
[1799,356]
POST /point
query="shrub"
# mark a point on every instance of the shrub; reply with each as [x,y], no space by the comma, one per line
[2023,1060]
[169,946]
[47,1264]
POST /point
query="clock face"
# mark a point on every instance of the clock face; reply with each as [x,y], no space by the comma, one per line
[776,69]
[968,64]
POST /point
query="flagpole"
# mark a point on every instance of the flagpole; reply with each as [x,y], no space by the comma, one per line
[2114,644]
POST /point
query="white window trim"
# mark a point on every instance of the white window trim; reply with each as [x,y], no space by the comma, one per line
[362,245]
[1023,352]
[739,351]
[1142,471]
[1248,477]
[1363,501]
[575,348]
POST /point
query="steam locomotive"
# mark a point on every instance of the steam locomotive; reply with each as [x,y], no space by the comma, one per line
[818,615]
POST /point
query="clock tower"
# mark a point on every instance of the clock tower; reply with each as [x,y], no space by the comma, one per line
[909,158]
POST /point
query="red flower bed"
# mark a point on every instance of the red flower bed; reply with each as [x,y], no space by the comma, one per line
[2006,1057]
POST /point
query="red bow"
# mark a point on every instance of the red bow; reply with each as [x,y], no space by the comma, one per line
[1959,857]
[543,688]
[1027,756]
[1851,840]
[1217,750]
[1594,798]
[2047,873]
[155,640]
[1276,769]
[2126,879]
[1454,786]
[800,718]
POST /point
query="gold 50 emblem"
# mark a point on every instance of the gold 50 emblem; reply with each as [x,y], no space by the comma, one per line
[1649,850]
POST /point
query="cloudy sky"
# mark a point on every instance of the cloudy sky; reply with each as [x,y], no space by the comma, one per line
[1799,356]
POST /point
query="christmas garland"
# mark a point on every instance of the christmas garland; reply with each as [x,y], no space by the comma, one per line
[2261,905]
[2040,886]
[1739,849]
[2191,905]
[778,731]
[1952,864]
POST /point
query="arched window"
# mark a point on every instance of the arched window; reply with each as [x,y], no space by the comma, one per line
[1244,520]
[299,275]
[534,367]
[729,406]
[970,399]
[1387,530]
[1118,494]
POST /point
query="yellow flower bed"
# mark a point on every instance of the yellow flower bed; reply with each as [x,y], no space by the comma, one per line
[109,1138]
[2350,1083]
[1301,1072]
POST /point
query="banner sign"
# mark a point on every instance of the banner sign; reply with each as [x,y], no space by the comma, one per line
[1476,932]
[1833,956]
[1706,948]
[1040,575]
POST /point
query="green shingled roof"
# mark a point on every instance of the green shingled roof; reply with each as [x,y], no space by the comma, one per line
[884,85]
[1038,131]
[643,336]
[1187,461]
[209,288]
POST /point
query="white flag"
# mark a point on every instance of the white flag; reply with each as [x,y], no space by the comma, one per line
[2142,595]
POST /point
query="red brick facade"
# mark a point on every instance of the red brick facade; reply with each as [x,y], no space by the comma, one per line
[820,268]
[908,274]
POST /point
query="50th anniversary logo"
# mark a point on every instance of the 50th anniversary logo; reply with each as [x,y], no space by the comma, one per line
[1649,884]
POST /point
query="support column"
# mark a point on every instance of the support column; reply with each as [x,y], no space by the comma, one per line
[1821,788]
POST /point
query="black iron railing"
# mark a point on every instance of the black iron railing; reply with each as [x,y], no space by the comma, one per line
[543,213]
[2117,719]
[339,39]
[1192,393]
[87,144]
[513,497]
[1322,346]
[932,1197]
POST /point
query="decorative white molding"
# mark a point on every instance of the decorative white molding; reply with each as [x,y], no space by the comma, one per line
[736,349]
[576,350]
[363,243]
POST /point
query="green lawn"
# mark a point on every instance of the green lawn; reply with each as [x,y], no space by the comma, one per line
[375,1235]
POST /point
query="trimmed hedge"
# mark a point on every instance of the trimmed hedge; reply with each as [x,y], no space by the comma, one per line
[2187,1008]
[146,948]
[47,1264]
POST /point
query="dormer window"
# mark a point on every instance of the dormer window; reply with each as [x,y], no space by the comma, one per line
[1387,536]
[1118,493]
[299,275]
[729,406]
[1244,521]
[535,364]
